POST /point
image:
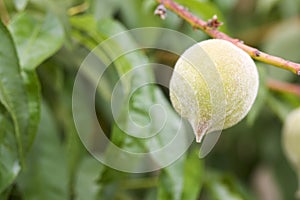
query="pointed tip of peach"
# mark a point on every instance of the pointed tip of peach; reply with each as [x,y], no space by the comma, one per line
[201,130]
[199,138]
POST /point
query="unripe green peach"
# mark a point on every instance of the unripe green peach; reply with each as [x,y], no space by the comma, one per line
[291,141]
[214,85]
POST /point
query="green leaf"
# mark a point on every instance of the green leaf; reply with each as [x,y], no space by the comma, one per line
[73,147]
[45,176]
[171,181]
[19,93]
[183,179]
[289,8]
[193,176]
[137,109]
[225,187]
[60,10]
[141,14]
[87,186]
[5,195]
[281,109]
[87,24]
[226,6]
[145,96]
[36,40]
[32,86]
[138,103]
[265,6]
[12,90]
[283,44]
[20,4]
[32,90]
[9,161]
[104,9]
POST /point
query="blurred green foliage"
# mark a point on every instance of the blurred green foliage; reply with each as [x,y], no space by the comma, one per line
[42,44]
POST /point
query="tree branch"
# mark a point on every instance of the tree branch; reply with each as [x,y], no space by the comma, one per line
[78,9]
[279,86]
[3,13]
[210,28]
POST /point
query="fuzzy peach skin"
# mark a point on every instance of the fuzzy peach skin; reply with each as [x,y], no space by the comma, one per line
[214,85]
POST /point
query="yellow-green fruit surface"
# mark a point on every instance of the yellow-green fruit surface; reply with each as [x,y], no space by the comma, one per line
[214,85]
[291,140]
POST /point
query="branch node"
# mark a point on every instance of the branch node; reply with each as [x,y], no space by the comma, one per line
[257,53]
[210,28]
[214,23]
[161,11]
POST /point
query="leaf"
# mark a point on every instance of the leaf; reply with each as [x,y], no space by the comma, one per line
[281,109]
[193,175]
[45,176]
[86,186]
[5,195]
[104,9]
[188,174]
[265,6]
[73,147]
[19,93]
[171,181]
[12,90]
[36,40]
[141,14]
[137,104]
[225,187]
[90,39]
[226,6]
[32,85]
[289,8]
[61,11]
[20,4]
[136,109]
[283,44]
[110,183]
[9,160]
[124,64]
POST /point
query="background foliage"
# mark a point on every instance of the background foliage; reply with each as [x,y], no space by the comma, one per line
[42,44]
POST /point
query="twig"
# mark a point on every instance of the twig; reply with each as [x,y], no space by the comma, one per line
[3,13]
[214,33]
[279,86]
[78,9]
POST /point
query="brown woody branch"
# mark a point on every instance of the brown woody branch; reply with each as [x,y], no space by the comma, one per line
[279,86]
[210,28]
[4,16]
